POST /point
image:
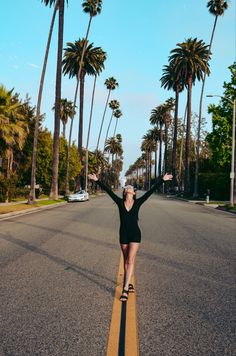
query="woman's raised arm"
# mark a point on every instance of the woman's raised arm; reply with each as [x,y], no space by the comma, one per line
[113,196]
[159,182]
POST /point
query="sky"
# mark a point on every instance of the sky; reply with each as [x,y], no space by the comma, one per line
[137,37]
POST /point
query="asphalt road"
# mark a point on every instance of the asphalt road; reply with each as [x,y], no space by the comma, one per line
[58,272]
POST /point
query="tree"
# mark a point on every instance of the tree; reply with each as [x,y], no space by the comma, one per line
[216,8]
[54,185]
[66,112]
[190,62]
[168,107]
[40,93]
[117,114]
[113,105]
[111,84]
[170,81]
[158,118]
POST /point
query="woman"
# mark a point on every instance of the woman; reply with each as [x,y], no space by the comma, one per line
[130,234]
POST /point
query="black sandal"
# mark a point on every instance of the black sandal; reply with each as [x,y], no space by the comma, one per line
[131,288]
[124,298]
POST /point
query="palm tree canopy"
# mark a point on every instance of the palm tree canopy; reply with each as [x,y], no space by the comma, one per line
[92,7]
[190,59]
[114,104]
[50,2]
[93,61]
[113,146]
[117,113]
[158,115]
[217,7]
[170,80]
[111,83]
[66,110]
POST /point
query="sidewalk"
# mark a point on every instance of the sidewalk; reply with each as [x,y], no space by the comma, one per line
[219,205]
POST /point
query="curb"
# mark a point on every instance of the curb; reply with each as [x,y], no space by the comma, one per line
[33,210]
[30,211]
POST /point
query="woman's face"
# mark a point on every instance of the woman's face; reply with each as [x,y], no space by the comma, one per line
[129,189]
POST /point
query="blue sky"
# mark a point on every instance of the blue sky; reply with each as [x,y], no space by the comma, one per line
[137,36]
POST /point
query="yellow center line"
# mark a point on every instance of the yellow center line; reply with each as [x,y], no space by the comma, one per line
[131,332]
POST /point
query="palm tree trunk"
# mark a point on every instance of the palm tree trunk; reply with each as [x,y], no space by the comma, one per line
[54,186]
[188,139]
[81,114]
[166,149]
[89,127]
[31,198]
[69,143]
[79,181]
[182,145]
[174,182]
[156,146]
[195,193]
[64,130]
[108,96]
[160,153]
[150,169]
[115,127]
[108,129]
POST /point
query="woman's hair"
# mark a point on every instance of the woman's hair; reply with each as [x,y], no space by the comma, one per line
[124,195]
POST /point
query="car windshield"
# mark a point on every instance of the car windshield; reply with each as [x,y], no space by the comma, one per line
[80,192]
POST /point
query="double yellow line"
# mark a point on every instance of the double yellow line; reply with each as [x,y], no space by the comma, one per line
[123,335]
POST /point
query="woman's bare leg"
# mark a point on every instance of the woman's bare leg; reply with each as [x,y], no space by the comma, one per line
[125,251]
[133,248]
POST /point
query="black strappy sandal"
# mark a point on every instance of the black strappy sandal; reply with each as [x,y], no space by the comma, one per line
[131,288]
[124,298]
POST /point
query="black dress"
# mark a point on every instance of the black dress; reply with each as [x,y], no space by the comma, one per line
[129,229]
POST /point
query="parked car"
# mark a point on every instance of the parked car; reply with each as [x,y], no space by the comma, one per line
[80,195]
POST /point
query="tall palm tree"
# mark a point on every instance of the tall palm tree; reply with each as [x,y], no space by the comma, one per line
[155,134]
[99,68]
[170,81]
[114,147]
[169,105]
[31,198]
[111,84]
[190,62]
[54,184]
[216,8]
[113,105]
[158,118]
[117,114]
[66,112]
[148,145]
[93,63]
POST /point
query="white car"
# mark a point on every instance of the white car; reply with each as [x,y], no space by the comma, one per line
[81,195]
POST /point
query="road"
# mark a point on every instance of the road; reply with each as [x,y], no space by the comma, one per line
[58,271]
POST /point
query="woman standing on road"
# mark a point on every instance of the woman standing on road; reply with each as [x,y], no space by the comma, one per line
[130,234]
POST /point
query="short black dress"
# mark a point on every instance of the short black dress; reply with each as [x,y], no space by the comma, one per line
[129,229]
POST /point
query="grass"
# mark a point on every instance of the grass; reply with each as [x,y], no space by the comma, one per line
[24,206]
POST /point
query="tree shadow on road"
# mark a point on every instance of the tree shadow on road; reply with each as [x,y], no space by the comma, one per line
[67,265]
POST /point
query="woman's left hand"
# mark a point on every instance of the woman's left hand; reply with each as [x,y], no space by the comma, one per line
[167,177]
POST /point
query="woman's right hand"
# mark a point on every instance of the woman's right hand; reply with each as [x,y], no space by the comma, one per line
[93,177]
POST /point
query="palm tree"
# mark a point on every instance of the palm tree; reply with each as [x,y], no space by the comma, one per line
[190,62]
[111,84]
[38,109]
[216,8]
[158,118]
[117,114]
[113,105]
[66,112]
[148,145]
[170,81]
[169,105]
[114,147]
[93,63]
[155,134]
[13,127]
[54,185]
[99,68]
